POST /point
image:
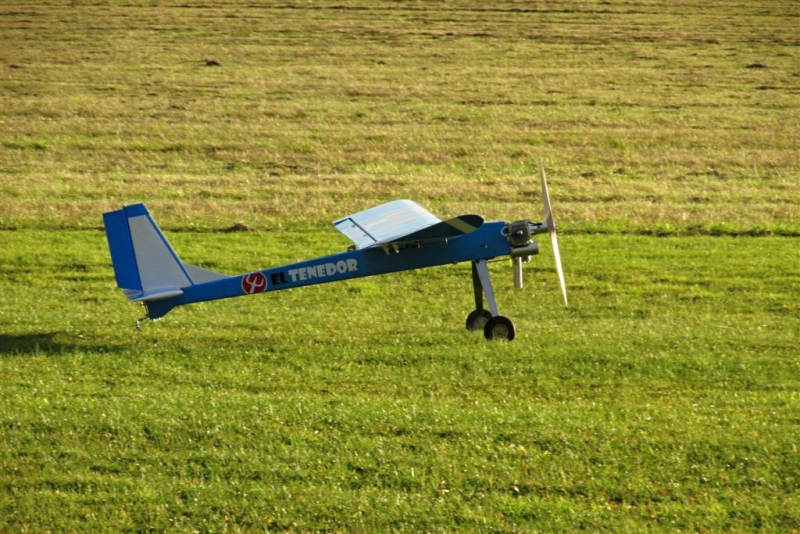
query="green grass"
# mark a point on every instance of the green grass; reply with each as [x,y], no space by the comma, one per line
[665,398]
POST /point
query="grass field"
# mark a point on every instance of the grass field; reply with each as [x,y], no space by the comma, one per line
[665,398]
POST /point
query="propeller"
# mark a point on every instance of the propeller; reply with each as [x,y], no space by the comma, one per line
[551,229]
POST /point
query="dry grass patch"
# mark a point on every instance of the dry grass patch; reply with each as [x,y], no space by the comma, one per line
[658,115]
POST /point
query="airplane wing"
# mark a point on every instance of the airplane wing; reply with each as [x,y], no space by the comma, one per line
[400,222]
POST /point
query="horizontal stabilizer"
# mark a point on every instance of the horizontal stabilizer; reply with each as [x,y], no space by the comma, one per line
[153,294]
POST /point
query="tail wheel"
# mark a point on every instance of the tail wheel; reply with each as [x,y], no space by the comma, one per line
[499,328]
[477,319]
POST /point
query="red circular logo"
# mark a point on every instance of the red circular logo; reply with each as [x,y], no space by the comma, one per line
[254,283]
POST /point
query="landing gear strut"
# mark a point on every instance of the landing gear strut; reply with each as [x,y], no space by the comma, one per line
[494,325]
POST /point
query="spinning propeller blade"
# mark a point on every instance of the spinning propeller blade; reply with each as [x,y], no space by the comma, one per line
[551,229]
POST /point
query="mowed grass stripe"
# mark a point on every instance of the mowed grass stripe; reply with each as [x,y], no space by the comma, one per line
[651,118]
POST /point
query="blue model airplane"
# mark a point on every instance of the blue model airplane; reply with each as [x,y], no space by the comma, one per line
[397,236]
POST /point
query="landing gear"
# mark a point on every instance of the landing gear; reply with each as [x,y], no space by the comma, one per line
[494,325]
[478,319]
[499,328]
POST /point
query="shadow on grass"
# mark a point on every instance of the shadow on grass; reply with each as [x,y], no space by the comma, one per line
[46,344]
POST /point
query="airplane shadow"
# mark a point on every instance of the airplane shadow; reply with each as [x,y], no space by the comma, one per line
[45,344]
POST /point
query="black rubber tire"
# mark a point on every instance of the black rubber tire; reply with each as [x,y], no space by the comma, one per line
[477,319]
[499,328]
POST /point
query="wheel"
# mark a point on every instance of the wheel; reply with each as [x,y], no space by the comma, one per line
[477,319]
[499,328]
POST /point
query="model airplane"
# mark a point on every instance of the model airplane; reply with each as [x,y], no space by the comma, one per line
[397,236]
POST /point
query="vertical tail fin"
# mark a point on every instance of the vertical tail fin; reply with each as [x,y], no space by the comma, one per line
[145,265]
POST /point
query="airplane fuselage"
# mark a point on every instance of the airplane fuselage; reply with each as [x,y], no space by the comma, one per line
[484,243]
